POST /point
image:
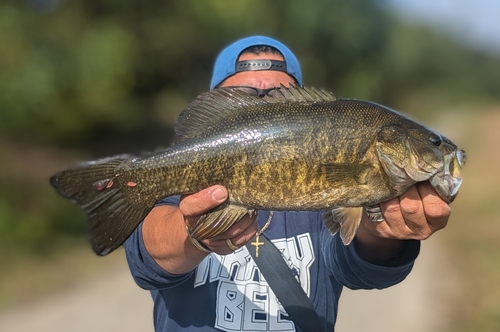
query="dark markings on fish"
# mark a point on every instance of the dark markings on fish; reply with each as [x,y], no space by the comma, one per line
[298,150]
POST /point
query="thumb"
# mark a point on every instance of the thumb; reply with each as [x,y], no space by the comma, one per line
[198,203]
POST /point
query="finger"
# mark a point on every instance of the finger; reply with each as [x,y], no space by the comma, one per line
[246,235]
[436,210]
[221,246]
[394,219]
[381,229]
[405,215]
[198,203]
[238,227]
[412,210]
[414,223]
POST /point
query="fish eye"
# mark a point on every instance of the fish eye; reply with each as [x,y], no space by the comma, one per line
[436,140]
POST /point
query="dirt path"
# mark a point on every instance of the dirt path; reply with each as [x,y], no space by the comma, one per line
[112,302]
[105,301]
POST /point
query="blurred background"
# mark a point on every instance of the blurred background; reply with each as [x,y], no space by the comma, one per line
[81,80]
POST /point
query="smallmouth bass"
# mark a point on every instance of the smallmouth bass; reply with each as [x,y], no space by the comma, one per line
[298,150]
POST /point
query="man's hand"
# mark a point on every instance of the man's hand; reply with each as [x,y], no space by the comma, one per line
[194,205]
[415,215]
[166,238]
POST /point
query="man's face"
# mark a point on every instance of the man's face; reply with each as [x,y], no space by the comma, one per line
[261,79]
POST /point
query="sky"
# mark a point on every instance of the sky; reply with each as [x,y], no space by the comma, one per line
[474,22]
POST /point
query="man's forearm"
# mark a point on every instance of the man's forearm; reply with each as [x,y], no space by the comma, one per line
[166,240]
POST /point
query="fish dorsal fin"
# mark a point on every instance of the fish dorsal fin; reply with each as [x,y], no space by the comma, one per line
[211,107]
[299,95]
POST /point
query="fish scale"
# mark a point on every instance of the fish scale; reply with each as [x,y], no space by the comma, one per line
[298,150]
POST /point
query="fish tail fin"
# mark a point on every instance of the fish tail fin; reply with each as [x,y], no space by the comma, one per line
[343,219]
[102,191]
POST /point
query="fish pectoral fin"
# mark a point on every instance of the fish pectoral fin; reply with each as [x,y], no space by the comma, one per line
[218,221]
[342,172]
[343,219]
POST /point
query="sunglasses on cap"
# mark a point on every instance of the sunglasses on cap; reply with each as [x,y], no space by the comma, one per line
[252,91]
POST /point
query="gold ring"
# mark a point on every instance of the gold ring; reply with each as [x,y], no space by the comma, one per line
[231,245]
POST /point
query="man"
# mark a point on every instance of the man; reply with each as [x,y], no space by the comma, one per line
[213,285]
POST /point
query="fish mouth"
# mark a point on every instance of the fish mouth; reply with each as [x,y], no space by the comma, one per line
[447,181]
[444,178]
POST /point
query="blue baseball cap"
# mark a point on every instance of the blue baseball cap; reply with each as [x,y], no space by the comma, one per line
[227,63]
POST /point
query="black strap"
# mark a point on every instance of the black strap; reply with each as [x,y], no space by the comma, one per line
[284,285]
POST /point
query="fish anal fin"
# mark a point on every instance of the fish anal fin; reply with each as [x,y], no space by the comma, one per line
[218,221]
[343,219]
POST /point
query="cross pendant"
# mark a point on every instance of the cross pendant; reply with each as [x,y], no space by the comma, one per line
[257,244]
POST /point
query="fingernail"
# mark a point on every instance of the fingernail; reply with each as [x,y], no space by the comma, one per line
[218,194]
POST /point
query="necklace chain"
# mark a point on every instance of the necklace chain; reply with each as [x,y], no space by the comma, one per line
[257,243]
[268,222]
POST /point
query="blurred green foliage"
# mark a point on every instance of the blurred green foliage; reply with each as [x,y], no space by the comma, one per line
[100,77]
[73,73]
